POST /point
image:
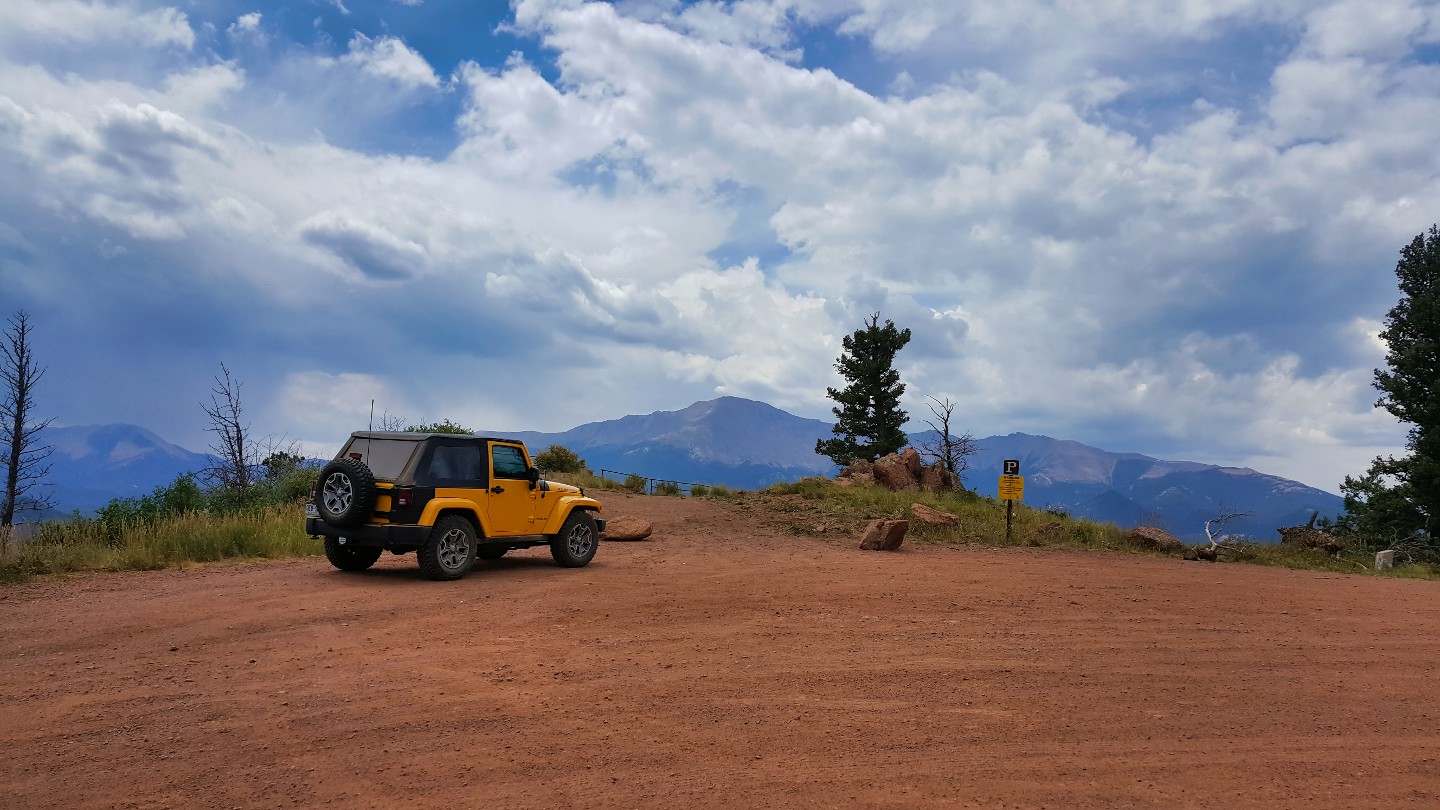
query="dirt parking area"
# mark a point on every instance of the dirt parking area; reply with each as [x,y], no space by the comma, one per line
[724,663]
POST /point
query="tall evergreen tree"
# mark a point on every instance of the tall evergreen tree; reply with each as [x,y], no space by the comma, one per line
[1399,498]
[869,415]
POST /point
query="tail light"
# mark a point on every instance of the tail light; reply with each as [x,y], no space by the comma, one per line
[404,497]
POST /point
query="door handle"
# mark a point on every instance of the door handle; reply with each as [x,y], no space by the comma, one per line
[497,489]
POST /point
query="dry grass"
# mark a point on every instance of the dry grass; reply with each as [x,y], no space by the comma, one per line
[70,546]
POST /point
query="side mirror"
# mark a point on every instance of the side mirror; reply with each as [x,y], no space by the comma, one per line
[534,475]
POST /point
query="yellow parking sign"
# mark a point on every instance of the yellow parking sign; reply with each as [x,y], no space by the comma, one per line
[1012,487]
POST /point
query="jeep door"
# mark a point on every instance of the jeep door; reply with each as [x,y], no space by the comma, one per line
[509,498]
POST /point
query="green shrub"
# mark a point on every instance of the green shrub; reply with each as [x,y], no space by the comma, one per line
[635,483]
[699,490]
[559,458]
[443,426]
[666,488]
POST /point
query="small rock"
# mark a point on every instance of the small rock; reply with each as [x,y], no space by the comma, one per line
[884,535]
[624,528]
[934,517]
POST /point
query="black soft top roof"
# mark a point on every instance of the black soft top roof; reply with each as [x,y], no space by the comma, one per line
[402,436]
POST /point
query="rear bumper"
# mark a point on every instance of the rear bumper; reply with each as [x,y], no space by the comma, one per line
[369,534]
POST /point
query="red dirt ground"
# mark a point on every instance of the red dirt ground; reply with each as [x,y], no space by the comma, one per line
[724,663]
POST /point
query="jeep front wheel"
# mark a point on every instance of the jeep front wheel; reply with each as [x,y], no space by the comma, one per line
[350,557]
[574,546]
[345,492]
[449,551]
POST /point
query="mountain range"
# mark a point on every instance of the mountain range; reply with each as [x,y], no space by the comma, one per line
[745,444]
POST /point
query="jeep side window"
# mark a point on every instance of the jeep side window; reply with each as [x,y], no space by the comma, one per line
[508,461]
[454,463]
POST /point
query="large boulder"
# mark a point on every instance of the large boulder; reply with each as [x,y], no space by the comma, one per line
[884,535]
[626,528]
[934,517]
[1153,538]
[893,473]
[936,478]
[913,462]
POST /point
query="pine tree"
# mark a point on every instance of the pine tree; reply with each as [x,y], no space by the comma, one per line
[1400,498]
[869,415]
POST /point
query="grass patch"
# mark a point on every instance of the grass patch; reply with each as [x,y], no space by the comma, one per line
[85,545]
[819,506]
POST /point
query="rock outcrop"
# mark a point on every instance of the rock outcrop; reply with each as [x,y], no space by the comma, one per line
[899,472]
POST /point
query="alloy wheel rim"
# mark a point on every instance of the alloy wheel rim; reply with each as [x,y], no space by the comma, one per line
[339,493]
[580,541]
[454,548]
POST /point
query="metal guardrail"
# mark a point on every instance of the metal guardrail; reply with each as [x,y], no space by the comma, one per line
[686,487]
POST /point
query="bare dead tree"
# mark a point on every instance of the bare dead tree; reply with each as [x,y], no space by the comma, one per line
[233,448]
[390,422]
[25,456]
[951,451]
[1222,542]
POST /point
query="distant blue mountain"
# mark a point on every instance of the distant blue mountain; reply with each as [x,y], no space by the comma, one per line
[95,464]
[731,441]
[1129,489]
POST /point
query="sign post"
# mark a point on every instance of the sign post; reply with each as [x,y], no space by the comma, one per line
[1011,489]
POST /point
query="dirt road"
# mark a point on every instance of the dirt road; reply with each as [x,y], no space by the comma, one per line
[724,664]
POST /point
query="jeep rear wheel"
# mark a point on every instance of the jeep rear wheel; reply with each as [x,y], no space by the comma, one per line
[449,551]
[345,492]
[348,556]
[574,546]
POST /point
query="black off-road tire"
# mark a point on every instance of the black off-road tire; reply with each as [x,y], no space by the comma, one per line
[345,492]
[449,551]
[491,552]
[574,546]
[350,557]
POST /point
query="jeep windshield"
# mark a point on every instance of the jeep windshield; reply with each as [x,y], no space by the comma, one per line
[386,458]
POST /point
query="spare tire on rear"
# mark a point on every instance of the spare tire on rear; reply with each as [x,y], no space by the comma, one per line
[345,492]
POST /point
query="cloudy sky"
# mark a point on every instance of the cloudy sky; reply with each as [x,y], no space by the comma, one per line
[1168,228]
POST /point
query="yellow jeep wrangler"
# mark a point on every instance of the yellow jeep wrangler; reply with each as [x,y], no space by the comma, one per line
[450,499]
